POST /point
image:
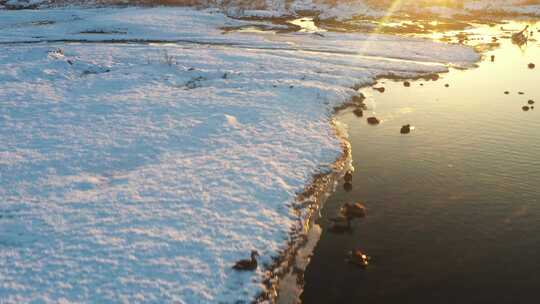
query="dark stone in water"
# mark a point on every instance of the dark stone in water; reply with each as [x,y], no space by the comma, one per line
[447,85]
[530,101]
[421,84]
[406,129]
[521,93]
[506,92]
[492,58]
[358,99]
[358,112]
[348,176]
[525,108]
[373,121]
[347,187]
[358,257]
[381,89]
[531,66]
[407,84]
[357,210]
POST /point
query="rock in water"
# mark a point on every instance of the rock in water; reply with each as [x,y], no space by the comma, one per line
[358,99]
[531,65]
[358,257]
[406,129]
[525,108]
[358,112]
[373,121]
[356,210]
[348,176]
[530,102]
[407,84]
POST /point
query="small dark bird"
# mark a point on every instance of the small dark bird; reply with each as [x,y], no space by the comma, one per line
[406,129]
[247,265]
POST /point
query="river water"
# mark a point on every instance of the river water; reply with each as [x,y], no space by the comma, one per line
[454,206]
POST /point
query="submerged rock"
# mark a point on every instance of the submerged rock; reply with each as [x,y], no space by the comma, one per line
[348,176]
[492,58]
[358,257]
[521,93]
[347,187]
[381,89]
[340,225]
[506,92]
[530,101]
[373,120]
[358,112]
[447,85]
[531,65]
[406,129]
[407,84]
[358,99]
[525,108]
[356,210]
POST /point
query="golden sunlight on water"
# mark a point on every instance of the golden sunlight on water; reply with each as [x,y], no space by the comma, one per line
[454,206]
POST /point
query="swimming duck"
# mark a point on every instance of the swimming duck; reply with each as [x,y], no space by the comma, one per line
[406,129]
[353,210]
[247,265]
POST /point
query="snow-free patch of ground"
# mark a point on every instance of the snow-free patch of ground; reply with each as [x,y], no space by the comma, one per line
[141,171]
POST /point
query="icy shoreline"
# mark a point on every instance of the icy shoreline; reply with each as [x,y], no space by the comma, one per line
[140,172]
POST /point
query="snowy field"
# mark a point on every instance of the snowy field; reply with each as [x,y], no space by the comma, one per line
[327,9]
[143,157]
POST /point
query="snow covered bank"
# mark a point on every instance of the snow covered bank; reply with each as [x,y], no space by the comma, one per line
[141,171]
[325,9]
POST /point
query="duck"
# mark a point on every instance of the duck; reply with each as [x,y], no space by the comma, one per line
[247,265]
[358,257]
[353,210]
[406,129]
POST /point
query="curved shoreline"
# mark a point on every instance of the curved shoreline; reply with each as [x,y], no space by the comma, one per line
[287,266]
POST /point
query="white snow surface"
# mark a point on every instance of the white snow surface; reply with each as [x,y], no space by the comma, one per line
[328,9]
[140,172]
